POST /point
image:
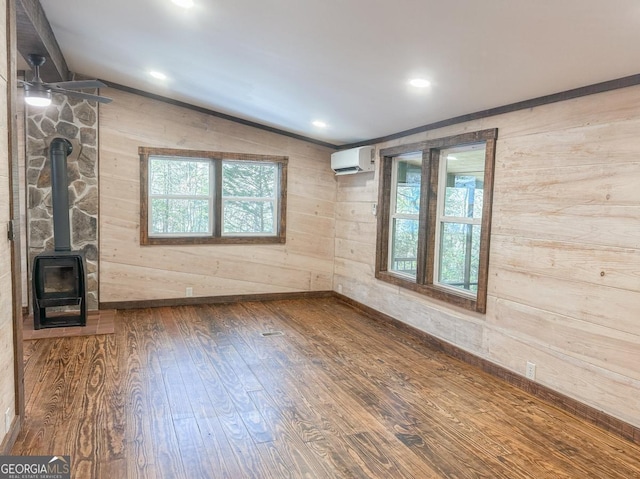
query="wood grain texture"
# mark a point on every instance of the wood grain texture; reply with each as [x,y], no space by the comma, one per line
[196,391]
[304,263]
[35,35]
[11,384]
[18,261]
[563,279]
[564,402]
[225,116]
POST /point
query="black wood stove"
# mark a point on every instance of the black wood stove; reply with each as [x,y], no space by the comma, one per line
[59,278]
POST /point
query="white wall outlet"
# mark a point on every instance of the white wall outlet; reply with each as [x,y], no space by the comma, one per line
[189,292]
[374,209]
[340,288]
[531,371]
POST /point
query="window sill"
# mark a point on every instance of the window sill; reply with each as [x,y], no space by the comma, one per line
[199,240]
[461,300]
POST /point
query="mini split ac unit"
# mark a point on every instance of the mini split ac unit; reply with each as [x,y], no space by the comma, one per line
[355,160]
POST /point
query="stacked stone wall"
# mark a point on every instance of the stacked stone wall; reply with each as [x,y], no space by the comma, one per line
[77,121]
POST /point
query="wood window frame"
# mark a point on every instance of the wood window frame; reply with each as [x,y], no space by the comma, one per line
[216,237]
[424,282]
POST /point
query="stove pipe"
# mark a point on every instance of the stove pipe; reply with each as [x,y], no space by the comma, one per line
[58,151]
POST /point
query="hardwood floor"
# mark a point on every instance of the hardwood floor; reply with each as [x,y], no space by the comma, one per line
[197,392]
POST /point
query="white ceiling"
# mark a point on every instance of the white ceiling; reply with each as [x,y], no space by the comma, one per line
[285,63]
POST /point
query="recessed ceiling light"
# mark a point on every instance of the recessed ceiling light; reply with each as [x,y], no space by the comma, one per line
[183,3]
[158,75]
[419,83]
[319,124]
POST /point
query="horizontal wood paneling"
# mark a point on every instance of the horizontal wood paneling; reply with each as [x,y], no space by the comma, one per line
[593,185]
[602,109]
[355,250]
[612,307]
[130,272]
[360,187]
[9,351]
[310,205]
[564,267]
[598,265]
[588,384]
[221,269]
[350,230]
[8,361]
[479,116]
[359,212]
[608,422]
[217,114]
[616,226]
[323,188]
[611,143]
[264,255]
[616,350]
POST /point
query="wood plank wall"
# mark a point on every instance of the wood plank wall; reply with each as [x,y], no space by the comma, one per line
[7,384]
[564,278]
[130,272]
[22,172]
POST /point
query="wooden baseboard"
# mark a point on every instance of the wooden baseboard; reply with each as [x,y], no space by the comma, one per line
[12,435]
[583,411]
[238,298]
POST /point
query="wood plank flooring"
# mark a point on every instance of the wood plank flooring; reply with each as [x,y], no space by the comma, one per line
[197,392]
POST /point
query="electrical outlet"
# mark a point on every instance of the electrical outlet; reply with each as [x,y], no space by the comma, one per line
[189,292]
[340,289]
[531,371]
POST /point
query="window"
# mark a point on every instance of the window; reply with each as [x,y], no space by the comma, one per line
[199,197]
[435,216]
[405,214]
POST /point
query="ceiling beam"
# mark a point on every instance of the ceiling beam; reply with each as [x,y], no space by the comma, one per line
[36,36]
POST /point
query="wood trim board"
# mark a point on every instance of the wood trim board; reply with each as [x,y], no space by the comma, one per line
[216,159]
[35,35]
[158,303]
[559,400]
[602,87]
[14,206]
[218,114]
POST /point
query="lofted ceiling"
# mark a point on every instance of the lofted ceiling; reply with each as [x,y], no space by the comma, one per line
[286,63]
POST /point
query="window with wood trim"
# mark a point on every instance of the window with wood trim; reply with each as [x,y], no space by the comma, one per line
[434,217]
[202,197]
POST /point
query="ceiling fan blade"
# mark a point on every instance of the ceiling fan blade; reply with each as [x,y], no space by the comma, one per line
[77,84]
[85,96]
[21,83]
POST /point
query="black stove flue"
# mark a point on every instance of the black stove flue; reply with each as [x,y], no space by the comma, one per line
[59,150]
[59,278]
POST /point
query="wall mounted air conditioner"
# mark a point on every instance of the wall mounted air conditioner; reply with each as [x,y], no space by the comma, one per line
[355,160]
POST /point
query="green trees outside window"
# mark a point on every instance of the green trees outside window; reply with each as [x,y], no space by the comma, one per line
[193,197]
[435,217]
